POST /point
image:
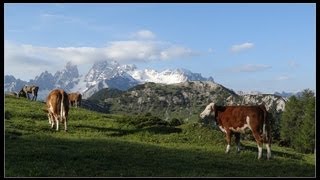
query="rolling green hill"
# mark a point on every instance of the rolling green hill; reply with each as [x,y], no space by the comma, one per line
[114,145]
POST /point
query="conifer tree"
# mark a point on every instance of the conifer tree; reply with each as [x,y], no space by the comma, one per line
[305,140]
[290,120]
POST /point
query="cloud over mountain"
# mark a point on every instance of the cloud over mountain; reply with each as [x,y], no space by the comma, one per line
[144,49]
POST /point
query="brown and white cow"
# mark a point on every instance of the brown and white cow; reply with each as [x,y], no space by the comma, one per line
[236,119]
[25,90]
[75,99]
[58,108]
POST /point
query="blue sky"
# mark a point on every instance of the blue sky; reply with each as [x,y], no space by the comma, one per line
[247,47]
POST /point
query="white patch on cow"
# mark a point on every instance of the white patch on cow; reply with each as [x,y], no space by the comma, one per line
[248,122]
[239,129]
[243,128]
[222,129]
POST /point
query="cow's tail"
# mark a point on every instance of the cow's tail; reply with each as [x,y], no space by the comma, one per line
[62,108]
[265,128]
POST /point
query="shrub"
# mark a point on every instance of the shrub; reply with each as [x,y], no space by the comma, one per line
[175,122]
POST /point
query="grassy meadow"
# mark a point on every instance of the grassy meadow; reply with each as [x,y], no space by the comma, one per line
[112,145]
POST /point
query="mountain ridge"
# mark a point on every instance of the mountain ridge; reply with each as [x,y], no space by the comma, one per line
[102,74]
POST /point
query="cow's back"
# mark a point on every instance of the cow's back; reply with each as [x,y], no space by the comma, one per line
[54,101]
[237,116]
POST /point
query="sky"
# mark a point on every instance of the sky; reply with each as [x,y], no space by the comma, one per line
[244,47]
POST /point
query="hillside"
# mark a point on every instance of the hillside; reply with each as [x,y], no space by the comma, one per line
[113,145]
[184,100]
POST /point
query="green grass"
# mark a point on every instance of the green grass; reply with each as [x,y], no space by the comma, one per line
[110,145]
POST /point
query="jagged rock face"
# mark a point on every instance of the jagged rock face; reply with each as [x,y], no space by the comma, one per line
[102,70]
[67,78]
[103,74]
[272,102]
[46,80]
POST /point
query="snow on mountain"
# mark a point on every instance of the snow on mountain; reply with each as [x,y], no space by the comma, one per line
[103,74]
[167,76]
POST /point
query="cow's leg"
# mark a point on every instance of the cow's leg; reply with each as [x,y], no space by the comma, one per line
[57,123]
[228,138]
[268,141]
[51,120]
[268,144]
[34,96]
[237,135]
[65,124]
[259,141]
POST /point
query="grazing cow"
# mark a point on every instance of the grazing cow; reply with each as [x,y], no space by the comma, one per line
[24,92]
[58,108]
[75,99]
[235,119]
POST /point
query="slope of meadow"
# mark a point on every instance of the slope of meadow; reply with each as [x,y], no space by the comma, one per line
[115,145]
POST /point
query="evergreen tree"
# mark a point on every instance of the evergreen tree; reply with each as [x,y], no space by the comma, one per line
[297,126]
[305,141]
[290,120]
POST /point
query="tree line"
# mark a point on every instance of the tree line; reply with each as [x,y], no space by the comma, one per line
[297,125]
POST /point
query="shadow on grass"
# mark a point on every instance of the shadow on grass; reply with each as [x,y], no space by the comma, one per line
[30,157]
[273,152]
[123,132]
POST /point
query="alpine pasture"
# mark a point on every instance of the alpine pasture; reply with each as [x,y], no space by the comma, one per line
[117,145]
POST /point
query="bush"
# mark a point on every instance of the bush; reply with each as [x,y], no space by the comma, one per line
[141,121]
[175,122]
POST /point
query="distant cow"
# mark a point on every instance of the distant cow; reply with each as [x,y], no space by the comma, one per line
[75,99]
[24,92]
[235,119]
[58,108]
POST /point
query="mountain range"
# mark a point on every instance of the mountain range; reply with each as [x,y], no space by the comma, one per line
[103,74]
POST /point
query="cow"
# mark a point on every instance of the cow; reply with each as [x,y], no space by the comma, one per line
[58,108]
[25,90]
[75,99]
[236,119]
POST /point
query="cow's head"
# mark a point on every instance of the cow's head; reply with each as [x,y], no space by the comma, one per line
[22,93]
[208,112]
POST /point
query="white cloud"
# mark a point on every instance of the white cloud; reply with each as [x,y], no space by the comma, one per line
[250,68]
[144,34]
[26,61]
[282,78]
[293,64]
[241,47]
